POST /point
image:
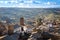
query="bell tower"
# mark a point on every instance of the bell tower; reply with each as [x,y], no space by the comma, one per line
[22,21]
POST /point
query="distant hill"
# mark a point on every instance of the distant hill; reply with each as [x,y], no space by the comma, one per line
[13,13]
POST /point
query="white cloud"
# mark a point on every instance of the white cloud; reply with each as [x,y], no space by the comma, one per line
[33,6]
[1,1]
[50,3]
[37,1]
[30,4]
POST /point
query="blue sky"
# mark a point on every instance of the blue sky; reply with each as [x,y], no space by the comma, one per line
[30,3]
